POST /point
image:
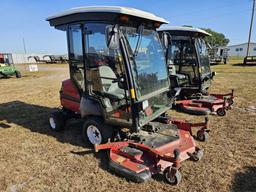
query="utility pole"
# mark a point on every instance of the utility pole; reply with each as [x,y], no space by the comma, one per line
[25,50]
[250,32]
[24,45]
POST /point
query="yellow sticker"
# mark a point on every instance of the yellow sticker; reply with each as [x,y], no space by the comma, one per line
[132,91]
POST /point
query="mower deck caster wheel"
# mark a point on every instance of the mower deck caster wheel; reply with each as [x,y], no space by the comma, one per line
[221,112]
[172,179]
[197,156]
[57,121]
[202,136]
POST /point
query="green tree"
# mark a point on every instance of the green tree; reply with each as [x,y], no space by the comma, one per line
[217,39]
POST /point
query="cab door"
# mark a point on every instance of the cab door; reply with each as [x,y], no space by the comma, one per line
[204,64]
[76,59]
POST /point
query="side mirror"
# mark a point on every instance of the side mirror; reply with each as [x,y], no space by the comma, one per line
[122,83]
[166,39]
[112,37]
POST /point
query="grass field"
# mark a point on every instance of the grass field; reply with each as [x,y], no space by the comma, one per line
[33,158]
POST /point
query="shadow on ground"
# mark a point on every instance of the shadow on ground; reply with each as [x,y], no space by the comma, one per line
[245,181]
[35,118]
[244,65]
[4,125]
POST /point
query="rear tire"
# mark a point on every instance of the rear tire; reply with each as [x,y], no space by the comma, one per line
[17,74]
[95,131]
[57,121]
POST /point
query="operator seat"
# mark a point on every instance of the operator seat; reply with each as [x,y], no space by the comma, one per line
[110,89]
[172,71]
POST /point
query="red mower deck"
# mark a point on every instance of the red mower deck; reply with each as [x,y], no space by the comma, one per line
[139,160]
[211,104]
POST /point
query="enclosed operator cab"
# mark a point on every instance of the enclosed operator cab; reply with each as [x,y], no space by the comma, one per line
[188,60]
[117,65]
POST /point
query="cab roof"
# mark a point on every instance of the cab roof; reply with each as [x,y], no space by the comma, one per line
[184,29]
[80,12]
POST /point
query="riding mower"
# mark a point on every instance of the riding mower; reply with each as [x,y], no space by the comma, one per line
[119,87]
[189,68]
[7,67]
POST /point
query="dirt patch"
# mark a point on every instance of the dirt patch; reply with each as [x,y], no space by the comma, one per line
[33,158]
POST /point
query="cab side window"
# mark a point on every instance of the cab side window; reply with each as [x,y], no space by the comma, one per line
[203,56]
[76,55]
[103,64]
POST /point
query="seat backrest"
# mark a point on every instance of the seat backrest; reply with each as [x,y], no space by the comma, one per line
[108,85]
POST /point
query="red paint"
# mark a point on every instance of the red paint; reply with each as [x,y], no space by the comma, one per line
[155,159]
[69,96]
[221,101]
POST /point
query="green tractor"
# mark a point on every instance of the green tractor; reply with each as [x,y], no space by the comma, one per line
[7,67]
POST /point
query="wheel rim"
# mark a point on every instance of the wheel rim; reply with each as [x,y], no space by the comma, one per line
[94,135]
[221,112]
[170,179]
[52,123]
[200,136]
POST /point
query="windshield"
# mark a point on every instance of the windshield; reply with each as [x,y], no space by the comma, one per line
[182,61]
[149,68]
[182,52]
[204,57]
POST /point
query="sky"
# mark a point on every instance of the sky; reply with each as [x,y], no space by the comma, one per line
[25,19]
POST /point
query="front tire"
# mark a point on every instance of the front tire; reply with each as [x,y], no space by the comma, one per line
[57,121]
[96,131]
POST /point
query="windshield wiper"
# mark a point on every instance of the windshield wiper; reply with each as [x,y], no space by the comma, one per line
[140,30]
